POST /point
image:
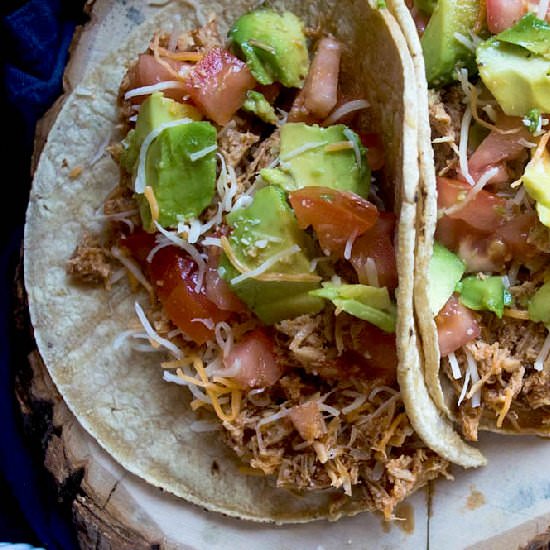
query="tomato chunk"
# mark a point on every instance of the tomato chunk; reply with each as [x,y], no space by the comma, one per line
[218,290]
[148,71]
[515,232]
[253,362]
[174,275]
[503,14]
[334,215]
[484,212]
[456,326]
[377,244]
[218,84]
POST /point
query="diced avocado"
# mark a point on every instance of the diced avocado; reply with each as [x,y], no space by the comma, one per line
[154,111]
[426,6]
[543,213]
[273,46]
[330,157]
[488,293]
[256,103]
[181,169]
[536,180]
[369,303]
[530,33]
[445,271]
[443,52]
[515,66]
[539,305]
[260,231]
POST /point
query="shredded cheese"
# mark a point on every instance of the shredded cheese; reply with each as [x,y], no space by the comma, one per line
[472,369]
[521,314]
[140,183]
[349,244]
[310,146]
[153,204]
[463,146]
[464,387]
[355,404]
[453,362]
[543,355]
[132,267]
[484,179]
[191,250]
[202,153]
[158,87]
[153,335]
[345,109]
[338,146]
[259,272]
[505,406]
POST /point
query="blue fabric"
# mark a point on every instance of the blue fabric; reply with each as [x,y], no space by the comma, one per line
[36,36]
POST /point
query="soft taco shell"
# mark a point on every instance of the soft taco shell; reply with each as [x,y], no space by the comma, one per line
[118,395]
[424,399]
[442,395]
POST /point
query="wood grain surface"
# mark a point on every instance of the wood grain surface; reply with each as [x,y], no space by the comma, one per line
[112,509]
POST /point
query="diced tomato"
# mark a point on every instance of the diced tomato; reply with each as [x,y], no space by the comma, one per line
[218,84]
[308,420]
[375,149]
[321,86]
[148,71]
[254,359]
[377,243]
[270,91]
[482,253]
[174,275]
[334,215]
[217,289]
[503,14]
[515,232]
[485,212]
[139,243]
[497,148]
[456,326]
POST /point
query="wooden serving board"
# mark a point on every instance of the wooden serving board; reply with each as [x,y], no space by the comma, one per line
[503,506]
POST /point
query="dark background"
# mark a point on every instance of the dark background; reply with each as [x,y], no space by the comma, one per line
[34,40]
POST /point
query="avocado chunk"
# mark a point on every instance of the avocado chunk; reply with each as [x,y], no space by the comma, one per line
[536,179]
[515,66]
[539,305]
[369,303]
[443,53]
[487,293]
[445,271]
[530,33]
[155,111]
[180,167]
[257,104]
[260,232]
[329,157]
[273,46]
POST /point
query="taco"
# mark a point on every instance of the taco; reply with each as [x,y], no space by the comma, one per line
[237,231]
[483,253]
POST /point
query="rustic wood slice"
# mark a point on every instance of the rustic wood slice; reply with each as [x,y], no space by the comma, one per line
[504,506]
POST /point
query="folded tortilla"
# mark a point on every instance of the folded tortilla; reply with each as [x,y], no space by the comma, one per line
[527,420]
[118,395]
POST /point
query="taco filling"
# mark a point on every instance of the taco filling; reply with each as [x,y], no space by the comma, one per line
[246,210]
[487,64]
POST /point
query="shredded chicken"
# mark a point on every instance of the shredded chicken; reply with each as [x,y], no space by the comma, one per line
[235,144]
[90,262]
[511,390]
[445,119]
